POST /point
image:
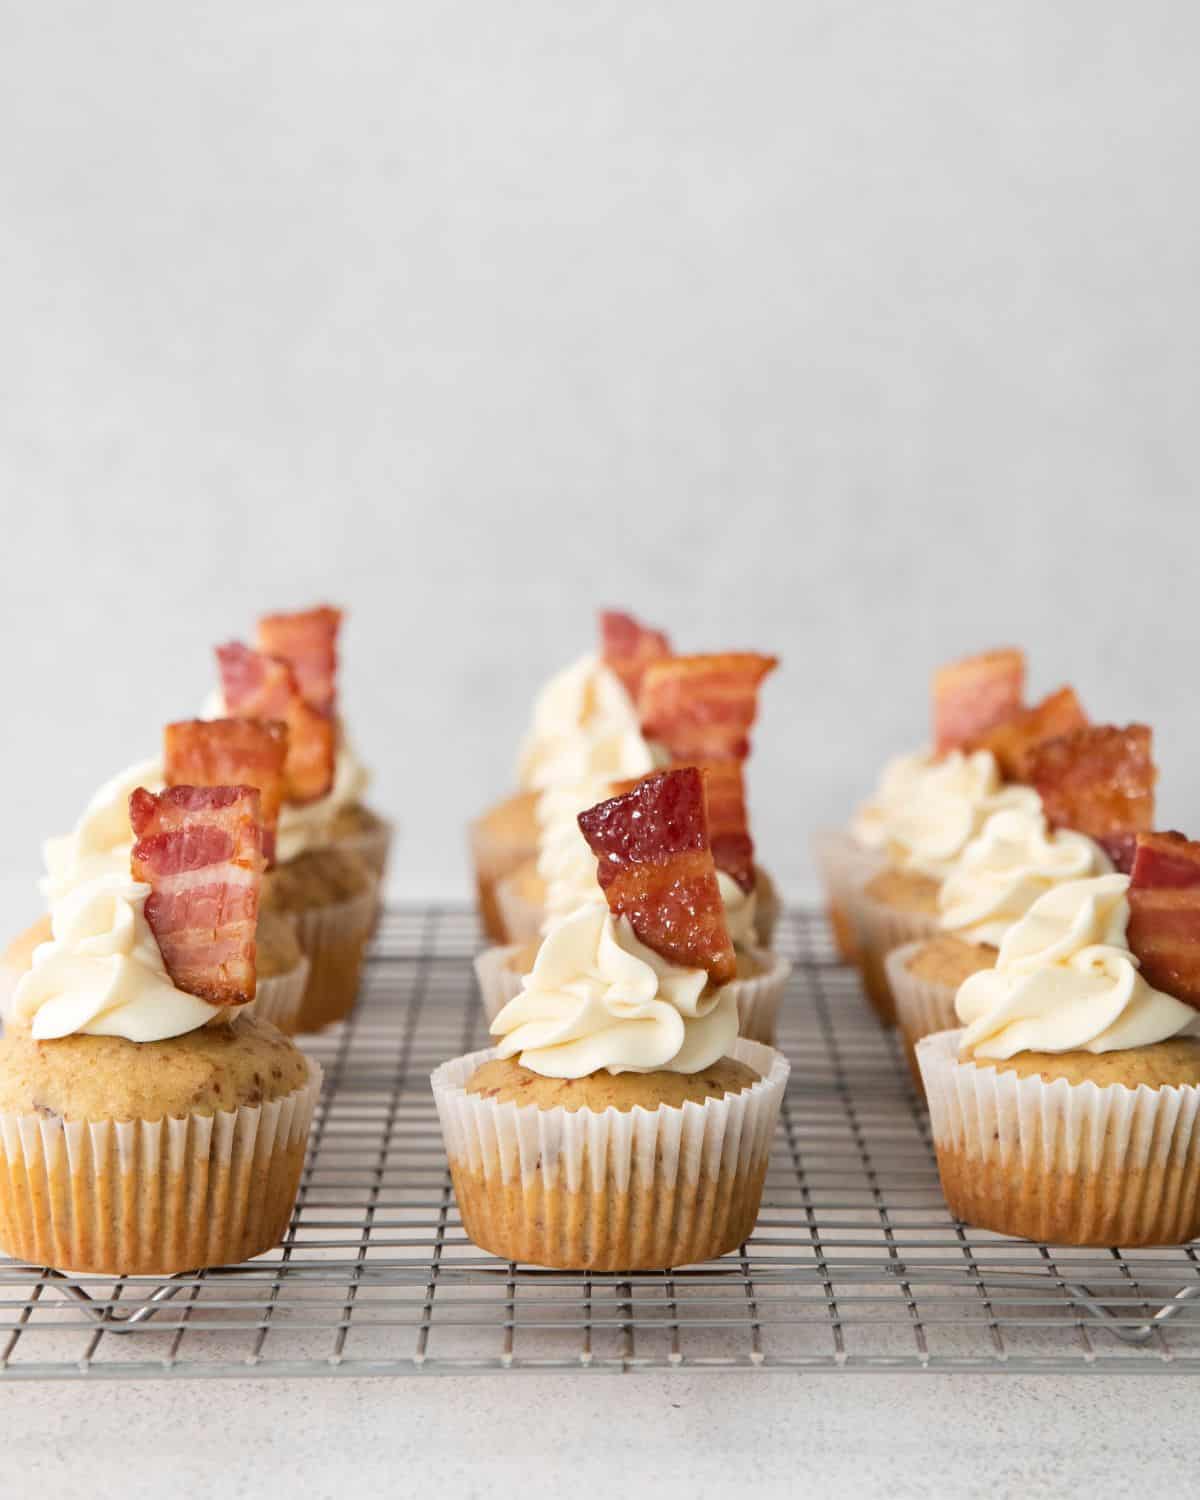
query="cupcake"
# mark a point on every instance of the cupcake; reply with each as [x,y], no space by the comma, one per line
[585,725]
[620,1123]
[1066,1108]
[569,868]
[330,849]
[147,1125]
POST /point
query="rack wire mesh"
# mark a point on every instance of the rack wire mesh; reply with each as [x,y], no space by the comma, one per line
[855,1263]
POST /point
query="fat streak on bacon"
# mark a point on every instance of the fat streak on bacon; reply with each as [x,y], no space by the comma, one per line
[655,867]
[1010,740]
[628,647]
[231,752]
[1164,913]
[1098,780]
[257,686]
[974,695]
[701,708]
[200,851]
[307,641]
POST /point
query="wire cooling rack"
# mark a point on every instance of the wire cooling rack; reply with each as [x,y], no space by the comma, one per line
[855,1263]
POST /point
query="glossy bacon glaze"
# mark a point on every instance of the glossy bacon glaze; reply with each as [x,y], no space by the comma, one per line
[701,708]
[655,867]
[974,695]
[256,686]
[1098,780]
[231,752]
[200,851]
[1009,741]
[307,641]
[629,647]
[1164,913]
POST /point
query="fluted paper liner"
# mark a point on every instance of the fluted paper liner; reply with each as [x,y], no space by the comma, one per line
[1064,1163]
[278,999]
[758,998]
[499,978]
[333,938]
[768,907]
[878,928]
[493,857]
[372,845]
[922,1006]
[152,1197]
[844,865]
[639,1189]
[521,918]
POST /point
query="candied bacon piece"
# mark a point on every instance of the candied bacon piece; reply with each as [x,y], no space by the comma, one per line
[655,867]
[728,821]
[200,851]
[1164,913]
[974,695]
[1008,741]
[256,686]
[231,752]
[701,707]
[629,647]
[1098,780]
[307,641]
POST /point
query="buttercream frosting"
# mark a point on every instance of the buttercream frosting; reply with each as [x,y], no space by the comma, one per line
[584,725]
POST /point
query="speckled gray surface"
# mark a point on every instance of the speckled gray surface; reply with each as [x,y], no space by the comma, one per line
[687,1436]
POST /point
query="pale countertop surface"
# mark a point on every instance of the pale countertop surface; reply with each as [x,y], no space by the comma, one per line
[688,1435]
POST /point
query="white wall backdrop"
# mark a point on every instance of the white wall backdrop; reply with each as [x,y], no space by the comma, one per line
[867,334]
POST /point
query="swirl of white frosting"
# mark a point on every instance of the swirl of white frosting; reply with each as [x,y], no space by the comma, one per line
[101,842]
[565,861]
[741,909]
[310,825]
[1065,981]
[584,725]
[102,972]
[1002,873]
[927,811]
[598,999]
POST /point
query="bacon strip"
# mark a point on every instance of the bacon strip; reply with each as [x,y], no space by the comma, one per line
[256,686]
[701,708]
[231,752]
[200,851]
[1008,741]
[628,648]
[655,866]
[1098,780]
[1164,913]
[307,641]
[974,695]
[728,821]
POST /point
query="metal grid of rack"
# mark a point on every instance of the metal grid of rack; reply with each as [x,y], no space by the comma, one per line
[855,1263]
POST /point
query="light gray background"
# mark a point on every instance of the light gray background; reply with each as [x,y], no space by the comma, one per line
[866,333]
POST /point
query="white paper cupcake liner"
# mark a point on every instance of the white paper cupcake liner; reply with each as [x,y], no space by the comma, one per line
[922,1005]
[768,907]
[372,845]
[499,978]
[844,866]
[278,998]
[638,1189]
[334,939]
[1063,1163]
[142,1197]
[493,856]
[520,917]
[759,998]
[878,929]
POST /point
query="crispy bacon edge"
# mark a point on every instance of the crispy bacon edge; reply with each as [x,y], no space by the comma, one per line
[655,867]
[1164,913]
[200,851]
[728,819]
[307,640]
[975,694]
[257,686]
[701,708]
[1057,714]
[231,752]
[1098,780]
[629,647]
